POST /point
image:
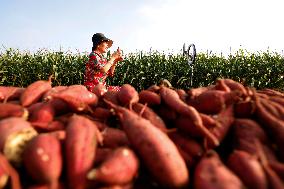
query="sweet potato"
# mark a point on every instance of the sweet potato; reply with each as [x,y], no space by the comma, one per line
[43,113]
[274,180]
[194,92]
[4,174]
[35,91]
[116,186]
[166,113]
[150,115]
[209,121]
[273,125]
[48,126]
[120,167]
[171,98]
[102,154]
[279,100]
[225,120]
[46,186]
[248,169]
[99,90]
[188,159]
[10,93]
[149,97]
[14,134]
[60,106]
[182,94]
[64,118]
[274,108]
[221,85]
[13,110]
[113,138]
[212,101]
[48,94]
[249,129]
[78,97]
[154,88]
[245,132]
[211,172]
[80,148]
[236,86]
[101,113]
[127,95]
[244,109]
[100,125]
[42,159]
[155,148]
[59,134]
[279,109]
[9,178]
[271,92]
[188,144]
[111,95]
[185,124]
[190,149]
[278,168]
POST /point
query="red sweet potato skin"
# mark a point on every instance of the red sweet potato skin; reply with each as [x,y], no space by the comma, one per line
[43,113]
[113,138]
[120,167]
[12,110]
[4,175]
[272,124]
[127,95]
[9,126]
[14,178]
[150,115]
[165,162]
[189,148]
[236,86]
[80,148]
[245,132]
[248,169]
[10,93]
[149,97]
[225,120]
[102,154]
[209,102]
[244,109]
[171,98]
[34,92]
[111,96]
[101,113]
[48,94]
[211,173]
[42,159]
[77,97]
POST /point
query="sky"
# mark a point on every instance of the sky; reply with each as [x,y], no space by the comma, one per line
[219,26]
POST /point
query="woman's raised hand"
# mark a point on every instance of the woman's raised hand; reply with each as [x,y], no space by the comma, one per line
[117,55]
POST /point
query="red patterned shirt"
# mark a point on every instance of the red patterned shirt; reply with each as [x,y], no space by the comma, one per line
[93,73]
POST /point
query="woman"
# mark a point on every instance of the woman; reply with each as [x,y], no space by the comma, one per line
[98,68]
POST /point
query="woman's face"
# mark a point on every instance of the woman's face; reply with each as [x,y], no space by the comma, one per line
[102,47]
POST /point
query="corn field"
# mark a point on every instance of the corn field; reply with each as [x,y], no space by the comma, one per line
[143,69]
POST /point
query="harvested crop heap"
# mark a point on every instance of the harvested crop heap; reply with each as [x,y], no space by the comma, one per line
[222,136]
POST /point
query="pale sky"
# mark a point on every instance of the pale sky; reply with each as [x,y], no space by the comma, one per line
[164,25]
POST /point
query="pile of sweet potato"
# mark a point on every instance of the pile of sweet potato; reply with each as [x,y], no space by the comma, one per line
[224,135]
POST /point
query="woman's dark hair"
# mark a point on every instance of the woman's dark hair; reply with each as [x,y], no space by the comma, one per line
[95,45]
